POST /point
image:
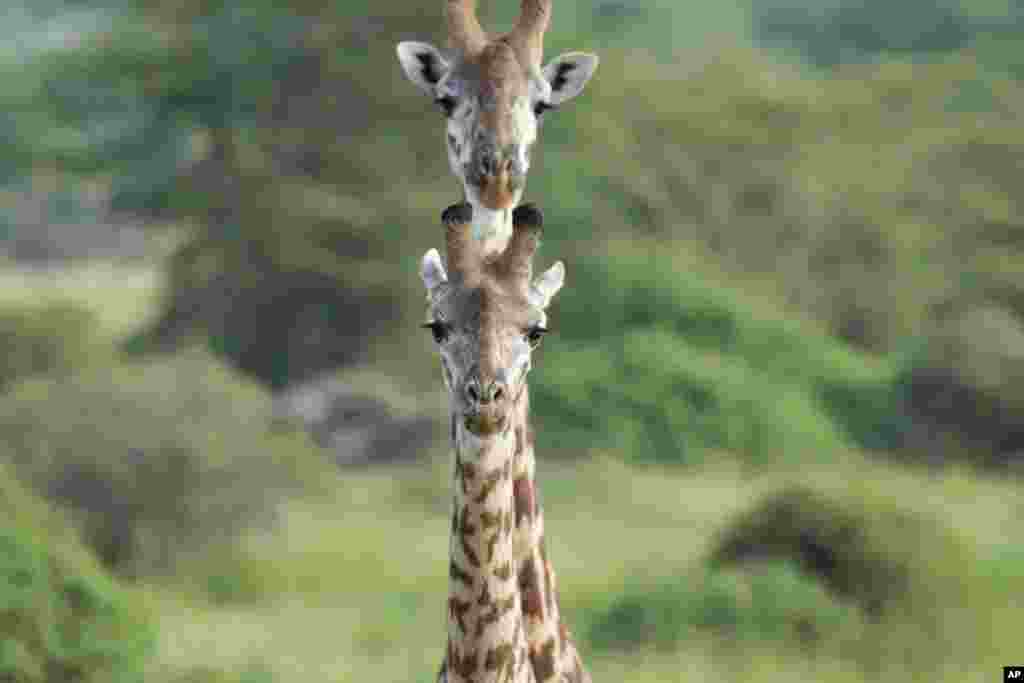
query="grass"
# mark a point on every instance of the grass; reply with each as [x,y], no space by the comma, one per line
[344,589]
[122,297]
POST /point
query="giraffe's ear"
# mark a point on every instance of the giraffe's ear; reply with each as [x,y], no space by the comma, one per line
[432,271]
[567,74]
[423,64]
[547,284]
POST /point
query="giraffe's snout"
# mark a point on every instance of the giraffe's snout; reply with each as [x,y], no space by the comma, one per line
[493,163]
[478,394]
[497,173]
[487,406]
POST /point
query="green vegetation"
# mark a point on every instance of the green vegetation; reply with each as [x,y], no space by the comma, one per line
[61,618]
[669,366]
[109,444]
[775,602]
[789,285]
[354,561]
[833,570]
[41,339]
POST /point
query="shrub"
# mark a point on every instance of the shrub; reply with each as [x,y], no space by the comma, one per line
[774,602]
[55,337]
[826,540]
[912,578]
[61,619]
[280,326]
[741,159]
[154,458]
[670,366]
[848,567]
[964,388]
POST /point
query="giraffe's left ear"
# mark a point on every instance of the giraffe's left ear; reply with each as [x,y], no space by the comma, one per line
[432,271]
[567,74]
[423,64]
[547,285]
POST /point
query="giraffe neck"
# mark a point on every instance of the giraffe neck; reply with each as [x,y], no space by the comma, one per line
[486,641]
[553,655]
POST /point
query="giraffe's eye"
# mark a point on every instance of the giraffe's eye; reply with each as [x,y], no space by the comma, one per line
[534,335]
[439,329]
[447,104]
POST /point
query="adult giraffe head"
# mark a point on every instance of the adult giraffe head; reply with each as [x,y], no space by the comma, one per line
[494,91]
[487,315]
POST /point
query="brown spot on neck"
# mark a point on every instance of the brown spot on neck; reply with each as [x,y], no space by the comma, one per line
[533,602]
[464,666]
[522,493]
[458,609]
[543,660]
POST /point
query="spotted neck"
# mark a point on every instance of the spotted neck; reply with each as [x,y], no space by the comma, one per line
[486,639]
[552,653]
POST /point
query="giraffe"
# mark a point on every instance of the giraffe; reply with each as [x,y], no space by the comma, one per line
[494,92]
[503,621]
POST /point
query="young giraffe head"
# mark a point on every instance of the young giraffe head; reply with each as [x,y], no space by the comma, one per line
[488,316]
[494,92]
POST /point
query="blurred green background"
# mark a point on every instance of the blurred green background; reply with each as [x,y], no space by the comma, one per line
[787,377]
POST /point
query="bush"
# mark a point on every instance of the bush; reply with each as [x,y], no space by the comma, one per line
[964,387]
[860,567]
[279,326]
[671,366]
[914,580]
[154,458]
[56,337]
[774,603]
[61,619]
[741,158]
[826,540]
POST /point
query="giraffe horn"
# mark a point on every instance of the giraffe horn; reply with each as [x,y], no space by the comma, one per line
[515,265]
[462,258]
[528,34]
[464,31]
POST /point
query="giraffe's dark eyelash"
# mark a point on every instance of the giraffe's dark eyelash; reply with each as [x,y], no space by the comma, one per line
[447,104]
[439,329]
[535,334]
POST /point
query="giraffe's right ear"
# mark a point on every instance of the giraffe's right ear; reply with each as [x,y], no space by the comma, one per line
[432,271]
[546,285]
[423,64]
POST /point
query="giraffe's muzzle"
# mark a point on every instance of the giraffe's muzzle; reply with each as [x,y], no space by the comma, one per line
[497,173]
[487,407]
